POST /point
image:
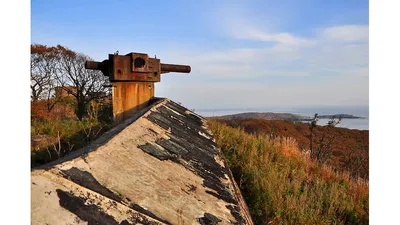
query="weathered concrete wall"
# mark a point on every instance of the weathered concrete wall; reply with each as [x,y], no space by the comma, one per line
[163,168]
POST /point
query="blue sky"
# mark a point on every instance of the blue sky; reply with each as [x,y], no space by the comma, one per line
[242,53]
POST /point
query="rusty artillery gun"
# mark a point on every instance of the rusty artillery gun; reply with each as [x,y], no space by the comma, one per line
[133,77]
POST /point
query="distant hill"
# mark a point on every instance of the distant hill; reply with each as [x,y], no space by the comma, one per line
[265,116]
[343,116]
[282,116]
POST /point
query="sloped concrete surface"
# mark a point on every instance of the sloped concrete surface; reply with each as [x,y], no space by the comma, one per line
[161,167]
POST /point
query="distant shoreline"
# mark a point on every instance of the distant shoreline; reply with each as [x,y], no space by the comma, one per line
[343,116]
[348,121]
[337,116]
[283,116]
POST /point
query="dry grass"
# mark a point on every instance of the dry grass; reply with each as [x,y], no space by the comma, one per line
[63,136]
[59,132]
[349,149]
[282,186]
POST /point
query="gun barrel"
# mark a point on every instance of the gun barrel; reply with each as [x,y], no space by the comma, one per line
[175,68]
[92,65]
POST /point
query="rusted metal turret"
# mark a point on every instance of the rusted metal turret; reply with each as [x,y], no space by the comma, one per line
[133,77]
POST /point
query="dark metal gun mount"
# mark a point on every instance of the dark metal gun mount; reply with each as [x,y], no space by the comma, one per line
[132,77]
[134,67]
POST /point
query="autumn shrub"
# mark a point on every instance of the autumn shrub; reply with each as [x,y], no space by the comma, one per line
[281,185]
[64,109]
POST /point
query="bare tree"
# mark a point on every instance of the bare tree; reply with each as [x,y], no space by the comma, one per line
[323,149]
[43,67]
[45,63]
[85,85]
[51,98]
[311,126]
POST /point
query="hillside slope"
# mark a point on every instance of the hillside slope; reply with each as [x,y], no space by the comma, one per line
[283,186]
[349,147]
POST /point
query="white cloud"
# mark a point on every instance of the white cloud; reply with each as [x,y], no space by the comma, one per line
[324,58]
[347,33]
[338,50]
[329,67]
[285,38]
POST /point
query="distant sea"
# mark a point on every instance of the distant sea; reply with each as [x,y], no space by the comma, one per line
[360,111]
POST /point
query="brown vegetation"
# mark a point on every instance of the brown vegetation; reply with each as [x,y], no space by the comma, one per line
[349,147]
[282,185]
